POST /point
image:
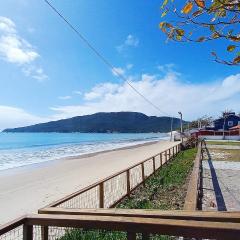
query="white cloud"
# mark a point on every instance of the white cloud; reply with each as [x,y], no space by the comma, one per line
[16,117]
[130,41]
[100,91]
[129,66]
[35,72]
[65,97]
[15,49]
[77,92]
[168,93]
[118,70]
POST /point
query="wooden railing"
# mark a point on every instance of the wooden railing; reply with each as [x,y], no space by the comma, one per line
[194,191]
[110,191]
[141,224]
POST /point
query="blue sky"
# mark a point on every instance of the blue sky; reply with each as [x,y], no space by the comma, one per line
[47,73]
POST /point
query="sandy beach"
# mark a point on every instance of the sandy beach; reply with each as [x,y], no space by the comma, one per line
[26,189]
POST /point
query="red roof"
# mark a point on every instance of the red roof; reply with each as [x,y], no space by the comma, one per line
[235,128]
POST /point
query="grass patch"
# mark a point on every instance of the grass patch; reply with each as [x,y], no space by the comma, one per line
[166,190]
[223,143]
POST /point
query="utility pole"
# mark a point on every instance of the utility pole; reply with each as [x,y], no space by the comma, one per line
[180,113]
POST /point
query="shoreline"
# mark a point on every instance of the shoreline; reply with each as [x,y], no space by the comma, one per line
[26,189]
[84,155]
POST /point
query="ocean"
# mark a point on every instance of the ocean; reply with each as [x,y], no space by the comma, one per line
[20,149]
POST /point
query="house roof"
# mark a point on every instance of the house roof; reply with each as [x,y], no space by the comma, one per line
[235,127]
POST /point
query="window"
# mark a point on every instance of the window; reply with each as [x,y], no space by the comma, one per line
[230,123]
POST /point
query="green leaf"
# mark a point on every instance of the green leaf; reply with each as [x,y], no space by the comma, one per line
[164,3]
[164,13]
[212,28]
[231,48]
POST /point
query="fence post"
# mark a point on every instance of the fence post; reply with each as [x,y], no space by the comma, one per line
[27,232]
[169,153]
[128,183]
[44,232]
[154,165]
[131,236]
[165,156]
[160,159]
[145,236]
[101,195]
[143,175]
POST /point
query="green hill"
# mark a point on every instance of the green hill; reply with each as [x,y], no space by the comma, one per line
[123,122]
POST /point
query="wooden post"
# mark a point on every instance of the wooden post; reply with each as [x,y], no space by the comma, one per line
[44,232]
[154,166]
[165,156]
[101,195]
[169,153]
[27,232]
[143,175]
[160,159]
[145,236]
[128,183]
[131,236]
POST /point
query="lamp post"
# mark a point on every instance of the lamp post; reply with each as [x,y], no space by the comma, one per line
[180,113]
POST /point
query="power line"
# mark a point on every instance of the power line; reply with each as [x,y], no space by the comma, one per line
[102,58]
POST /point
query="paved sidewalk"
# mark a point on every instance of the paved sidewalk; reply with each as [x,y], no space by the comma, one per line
[221,184]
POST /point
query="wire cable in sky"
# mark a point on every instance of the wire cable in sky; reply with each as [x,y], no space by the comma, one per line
[102,58]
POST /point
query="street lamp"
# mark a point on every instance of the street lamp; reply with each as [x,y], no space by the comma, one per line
[180,113]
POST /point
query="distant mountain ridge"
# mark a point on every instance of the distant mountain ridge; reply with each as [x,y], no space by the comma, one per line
[104,122]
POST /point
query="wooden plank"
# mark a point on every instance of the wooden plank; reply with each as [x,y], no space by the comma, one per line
[4,228]
[191,200]
[177,214]
[189,228]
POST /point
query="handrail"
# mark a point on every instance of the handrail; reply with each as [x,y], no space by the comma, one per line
[220,226]
[193,190]
[150,213]
[167,153]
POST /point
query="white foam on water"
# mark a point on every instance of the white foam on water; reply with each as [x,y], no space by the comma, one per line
[21,157]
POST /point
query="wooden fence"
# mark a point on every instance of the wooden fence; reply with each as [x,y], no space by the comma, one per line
[122,224]
[111,190]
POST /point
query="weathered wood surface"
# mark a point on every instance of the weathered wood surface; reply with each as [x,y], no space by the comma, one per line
[149,213]
[192,196]
[173,227]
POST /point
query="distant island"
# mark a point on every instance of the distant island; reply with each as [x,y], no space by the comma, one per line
[105,122]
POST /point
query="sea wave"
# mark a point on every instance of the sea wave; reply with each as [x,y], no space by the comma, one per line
[31,155]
